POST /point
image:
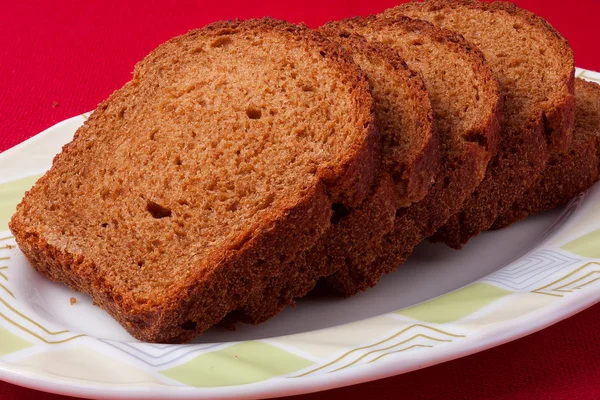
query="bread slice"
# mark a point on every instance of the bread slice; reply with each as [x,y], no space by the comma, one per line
[568,174]
[410,161]
[535,68]
[467,109]
[214,166]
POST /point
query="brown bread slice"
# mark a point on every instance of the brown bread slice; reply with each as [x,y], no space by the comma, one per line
[467,109]
[214,166]
[568,174]
[410,164]
[535,68]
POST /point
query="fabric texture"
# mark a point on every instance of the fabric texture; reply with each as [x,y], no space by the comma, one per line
[61,58]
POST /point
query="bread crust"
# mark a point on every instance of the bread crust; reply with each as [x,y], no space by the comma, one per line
[464,162]
[362,227]
[185,310]
[568,174]
[302,274]
[524,150]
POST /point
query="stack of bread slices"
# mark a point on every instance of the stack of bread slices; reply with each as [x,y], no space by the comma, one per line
[248,161]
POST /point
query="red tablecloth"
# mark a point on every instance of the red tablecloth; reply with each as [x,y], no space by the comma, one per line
[60,58]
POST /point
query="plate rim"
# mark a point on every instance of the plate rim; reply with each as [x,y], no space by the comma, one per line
[280,386]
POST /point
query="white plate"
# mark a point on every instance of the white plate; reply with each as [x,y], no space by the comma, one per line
[502,286]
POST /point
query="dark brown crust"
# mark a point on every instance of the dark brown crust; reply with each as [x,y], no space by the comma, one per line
[524,151]
[560,113]
[208,296]
[364,226]
[416,177]
[330,251]
[568,174]
[463,168]
[510,174]
[415,223]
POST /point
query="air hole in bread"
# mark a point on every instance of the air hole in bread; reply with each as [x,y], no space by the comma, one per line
[339,212]
[222,42]
[446,182]
[301,132]
[267,201]
[397,177]
[104,224]
[233,206]
[157,211]
[188,325]
[140,264]
[478,138]
[253,113]
[308,88]
[401,212]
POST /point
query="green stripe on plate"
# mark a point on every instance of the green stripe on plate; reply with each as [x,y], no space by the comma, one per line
[242,363]
[455,305]
[587,245]
[9,342]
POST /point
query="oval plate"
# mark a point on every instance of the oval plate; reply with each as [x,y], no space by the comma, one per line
[440,305]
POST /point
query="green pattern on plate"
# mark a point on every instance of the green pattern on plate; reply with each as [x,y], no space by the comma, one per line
[587,245]
[11,194]
[242,363]
[9,342]
[455,305]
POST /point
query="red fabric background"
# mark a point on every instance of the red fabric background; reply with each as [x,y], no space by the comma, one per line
[61,58]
